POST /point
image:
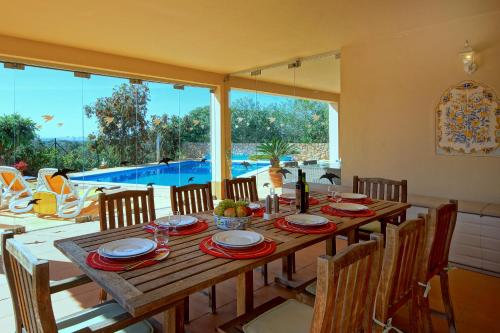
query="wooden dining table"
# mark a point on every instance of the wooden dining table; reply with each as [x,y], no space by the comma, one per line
[163,287]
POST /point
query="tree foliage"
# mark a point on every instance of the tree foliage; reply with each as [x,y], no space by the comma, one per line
[16,133]
[122,121]
[298,121]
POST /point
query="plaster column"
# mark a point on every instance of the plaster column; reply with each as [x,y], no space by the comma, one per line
[220,118]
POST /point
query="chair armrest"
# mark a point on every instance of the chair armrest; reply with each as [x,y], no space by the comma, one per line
[302,287]
[302,295]
[113,324]
[118,322]
[68,283]
[393,219]
[306,298]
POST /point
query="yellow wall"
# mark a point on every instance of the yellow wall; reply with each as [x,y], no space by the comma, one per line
[390,88]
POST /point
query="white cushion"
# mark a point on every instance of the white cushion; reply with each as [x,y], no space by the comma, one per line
[96,315]
[311,288]
[288,317]
[372,227]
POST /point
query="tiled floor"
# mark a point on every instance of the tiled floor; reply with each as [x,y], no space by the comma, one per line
[476,296]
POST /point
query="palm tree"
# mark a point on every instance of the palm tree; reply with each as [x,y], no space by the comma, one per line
[274,150]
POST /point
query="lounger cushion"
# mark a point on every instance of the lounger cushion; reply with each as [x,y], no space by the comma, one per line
[8,178]
[97,315]
[290,317]
[371,227]
[58,184]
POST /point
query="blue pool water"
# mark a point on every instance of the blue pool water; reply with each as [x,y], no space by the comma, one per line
[176,174]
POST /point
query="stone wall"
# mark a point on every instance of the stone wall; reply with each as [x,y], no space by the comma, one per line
[195,149]
[307,151]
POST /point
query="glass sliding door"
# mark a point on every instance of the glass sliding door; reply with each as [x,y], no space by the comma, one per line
[98,133]
[304,128]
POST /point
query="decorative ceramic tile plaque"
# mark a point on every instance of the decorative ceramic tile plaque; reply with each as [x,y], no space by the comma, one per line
[468,121]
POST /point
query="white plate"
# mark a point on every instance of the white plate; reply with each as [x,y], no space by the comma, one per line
[127,248]
[306,220]
[254,205]
[353,196]
[182,221]
[237,238]
[288,196]
[353,207]
[99,251]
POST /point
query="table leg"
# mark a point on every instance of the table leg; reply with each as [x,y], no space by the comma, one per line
[287,267]
[286,278]
[244,293]
[173,319]
[331,246]
[352,236]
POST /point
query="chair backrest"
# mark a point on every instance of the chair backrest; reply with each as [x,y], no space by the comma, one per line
[440,227]
[403,249]
[126,208]
[58,184]
[240,188]
[381,188]
[13,180]
[192,198]
[346,288]
[28,280]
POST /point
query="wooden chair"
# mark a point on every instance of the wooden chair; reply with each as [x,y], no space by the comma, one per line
[30,288]
[347,284]
[381,189]
[244,188]
[125,208]
[398,280]
[190,199]
[435,262]
[241,188]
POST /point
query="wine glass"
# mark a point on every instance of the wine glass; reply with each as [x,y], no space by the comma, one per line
[337,196]
[161,235]
[174,220]
[331,191]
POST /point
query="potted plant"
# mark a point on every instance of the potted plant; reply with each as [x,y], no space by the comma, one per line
[274,151]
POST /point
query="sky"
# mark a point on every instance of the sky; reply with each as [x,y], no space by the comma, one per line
[37,92]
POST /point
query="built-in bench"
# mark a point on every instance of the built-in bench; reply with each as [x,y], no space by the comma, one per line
[476,240]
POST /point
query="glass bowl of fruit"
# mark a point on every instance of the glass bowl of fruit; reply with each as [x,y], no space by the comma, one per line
[232,215]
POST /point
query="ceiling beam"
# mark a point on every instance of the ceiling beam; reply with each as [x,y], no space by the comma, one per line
[35,53]
[41,54]
[281,89]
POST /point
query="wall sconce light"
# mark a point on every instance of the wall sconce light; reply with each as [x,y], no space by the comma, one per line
[467,55]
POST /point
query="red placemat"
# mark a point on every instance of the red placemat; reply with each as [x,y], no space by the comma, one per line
[312,201]
[283,224]
[192,229]
[259,212]
[364,201]
[343,213]
[96,261]
[261,250]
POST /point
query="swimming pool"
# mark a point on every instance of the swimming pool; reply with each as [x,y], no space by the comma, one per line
[177,174]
